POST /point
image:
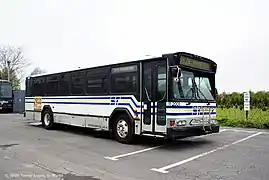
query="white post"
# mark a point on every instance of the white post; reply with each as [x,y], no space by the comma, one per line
[247,103]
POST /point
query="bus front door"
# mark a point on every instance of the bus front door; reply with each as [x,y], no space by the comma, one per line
[154,97]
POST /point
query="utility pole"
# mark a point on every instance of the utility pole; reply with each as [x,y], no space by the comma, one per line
[8,70]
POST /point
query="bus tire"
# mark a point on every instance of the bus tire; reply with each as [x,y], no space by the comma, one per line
[123,129]
[47,119]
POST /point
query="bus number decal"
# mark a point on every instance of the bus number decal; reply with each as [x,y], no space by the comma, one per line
[114,101]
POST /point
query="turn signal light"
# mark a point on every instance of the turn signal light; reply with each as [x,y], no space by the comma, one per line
[172,123]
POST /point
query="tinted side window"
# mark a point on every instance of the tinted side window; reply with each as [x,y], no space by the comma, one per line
[77,83]
[124,83]
[52,85]
[64,80]
[97,81]
[161,83]
[28,87]
[147,84]
[38,87]
[97,85]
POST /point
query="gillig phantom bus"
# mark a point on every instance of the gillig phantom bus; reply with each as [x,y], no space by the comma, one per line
[171,96]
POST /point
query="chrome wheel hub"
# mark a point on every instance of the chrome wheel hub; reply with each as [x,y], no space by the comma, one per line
[47,119]
[122,128]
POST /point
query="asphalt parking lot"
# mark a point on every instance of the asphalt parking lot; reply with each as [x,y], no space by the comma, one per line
[29,151]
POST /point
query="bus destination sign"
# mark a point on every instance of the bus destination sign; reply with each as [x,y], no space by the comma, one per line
[186,61]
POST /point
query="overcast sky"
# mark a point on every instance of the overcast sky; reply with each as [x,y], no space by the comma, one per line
[65,34]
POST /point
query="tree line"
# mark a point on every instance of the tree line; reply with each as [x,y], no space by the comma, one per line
[258,100]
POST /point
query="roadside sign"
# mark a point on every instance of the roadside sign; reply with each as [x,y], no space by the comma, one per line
[246,106]
[246,97]
[246,101]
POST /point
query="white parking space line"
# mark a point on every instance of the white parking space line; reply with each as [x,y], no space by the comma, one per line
[246,131]
[115,158]
[241,130]
[165,168]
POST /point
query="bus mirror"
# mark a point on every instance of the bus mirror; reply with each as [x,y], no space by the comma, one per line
[176,72]
[216,93]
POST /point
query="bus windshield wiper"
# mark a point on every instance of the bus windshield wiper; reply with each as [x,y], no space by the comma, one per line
[193,94]
[208,103]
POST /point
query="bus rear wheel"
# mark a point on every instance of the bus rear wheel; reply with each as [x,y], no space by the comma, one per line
[47,119]
[122,129]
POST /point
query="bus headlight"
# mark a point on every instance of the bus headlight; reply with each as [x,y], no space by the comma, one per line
[181,123]
[195,122]
[174,123]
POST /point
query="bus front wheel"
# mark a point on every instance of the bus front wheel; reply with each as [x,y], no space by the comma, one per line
[122,129]
[47,119]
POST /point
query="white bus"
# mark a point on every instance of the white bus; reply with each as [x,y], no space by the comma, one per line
[171,96]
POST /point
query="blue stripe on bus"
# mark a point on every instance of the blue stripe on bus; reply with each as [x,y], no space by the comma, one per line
[138,106]
[51,98]
[91,103]
[188,114]
[97,98]
[55,102]
[123,104]
[189,107]
[126,104]
[113,102]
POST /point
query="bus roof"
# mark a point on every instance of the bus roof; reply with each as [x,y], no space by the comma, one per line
[4,81]
[190,55]
[122,63]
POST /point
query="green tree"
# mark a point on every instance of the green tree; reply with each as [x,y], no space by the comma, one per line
[15,81]
[257,100]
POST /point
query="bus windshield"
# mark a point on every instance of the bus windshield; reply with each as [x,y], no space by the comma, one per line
[192,87]
[6,91]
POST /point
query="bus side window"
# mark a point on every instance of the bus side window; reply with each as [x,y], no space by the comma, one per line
[96,85]
[28,87]
[147,85]
[38,86]
[52,85]
[161,83]
[63,84]
[124,80]
[124,83]
[78,83]
[97,81]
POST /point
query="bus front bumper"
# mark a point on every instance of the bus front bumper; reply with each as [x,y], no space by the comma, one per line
[177,133]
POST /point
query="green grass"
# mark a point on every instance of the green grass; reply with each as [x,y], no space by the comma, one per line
[237,118]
